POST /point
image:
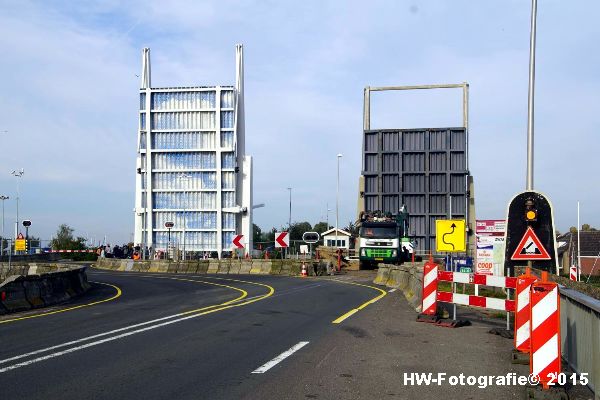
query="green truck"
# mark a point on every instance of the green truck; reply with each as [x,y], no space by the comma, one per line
[384,238]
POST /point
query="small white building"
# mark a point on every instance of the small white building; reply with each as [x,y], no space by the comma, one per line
[343,238]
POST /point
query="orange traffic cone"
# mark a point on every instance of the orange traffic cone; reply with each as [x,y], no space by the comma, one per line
[304,272]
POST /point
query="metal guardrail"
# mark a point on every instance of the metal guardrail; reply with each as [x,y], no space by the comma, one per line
[580,331]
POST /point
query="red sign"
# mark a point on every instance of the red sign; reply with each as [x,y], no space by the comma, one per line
[530,248]
[282,239]
[236,241]
[491,227]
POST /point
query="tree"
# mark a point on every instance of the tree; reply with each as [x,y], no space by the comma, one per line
[298,228]
[573,229]
[352,228]
[585,227]
[321,227]
[256,233]
[64,240]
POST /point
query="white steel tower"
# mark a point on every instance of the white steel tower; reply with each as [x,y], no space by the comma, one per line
[191,165]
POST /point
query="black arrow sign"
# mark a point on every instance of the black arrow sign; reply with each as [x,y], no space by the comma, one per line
[453,226]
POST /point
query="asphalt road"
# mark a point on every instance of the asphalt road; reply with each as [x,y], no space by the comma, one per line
[151,336]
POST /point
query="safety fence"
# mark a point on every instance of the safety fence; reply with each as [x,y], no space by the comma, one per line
[536,309]
[580,334]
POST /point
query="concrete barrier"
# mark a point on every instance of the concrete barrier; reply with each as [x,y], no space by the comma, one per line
[213,266]
[236,266]
[24,292]
[407,277]
[383,274]
[202,267]
[224,266]
[265,267]
[14,297]
[246,266]
[257,266]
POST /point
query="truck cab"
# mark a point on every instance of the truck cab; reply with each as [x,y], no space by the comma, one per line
[383,238]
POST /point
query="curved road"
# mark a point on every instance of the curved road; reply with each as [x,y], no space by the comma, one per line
[159,336]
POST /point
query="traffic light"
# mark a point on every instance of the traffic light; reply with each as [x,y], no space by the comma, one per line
[531,212]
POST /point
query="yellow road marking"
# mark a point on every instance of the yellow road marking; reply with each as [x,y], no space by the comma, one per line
[119,292]
[341,318]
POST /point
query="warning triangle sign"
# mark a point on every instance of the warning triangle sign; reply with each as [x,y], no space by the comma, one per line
[530,248]
[20,236]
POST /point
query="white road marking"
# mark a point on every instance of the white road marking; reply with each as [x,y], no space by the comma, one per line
[391,290]
[264,368]
[108,339]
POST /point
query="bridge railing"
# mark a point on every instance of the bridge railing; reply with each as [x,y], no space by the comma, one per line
[580,331]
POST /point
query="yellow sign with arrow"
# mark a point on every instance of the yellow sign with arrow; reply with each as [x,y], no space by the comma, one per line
[450,235]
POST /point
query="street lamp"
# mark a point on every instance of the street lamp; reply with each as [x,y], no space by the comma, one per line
[337,200]
[18,174]
[184,177]
[290,216]
[2,239]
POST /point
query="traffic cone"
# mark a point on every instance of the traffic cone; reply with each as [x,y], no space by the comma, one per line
[304,272]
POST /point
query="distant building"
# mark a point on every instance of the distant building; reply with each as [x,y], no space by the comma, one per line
[566,247]
[343,238]
[191,165]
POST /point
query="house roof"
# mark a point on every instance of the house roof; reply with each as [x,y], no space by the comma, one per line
[590,243]
[340,231]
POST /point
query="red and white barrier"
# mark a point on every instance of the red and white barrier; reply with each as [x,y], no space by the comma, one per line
[545,353]
[573,273]
[522,315]
[478,279]
[430,284]
[70,251]
[476,301]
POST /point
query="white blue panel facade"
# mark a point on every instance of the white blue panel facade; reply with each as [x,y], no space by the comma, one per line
[187,163]
[191,166]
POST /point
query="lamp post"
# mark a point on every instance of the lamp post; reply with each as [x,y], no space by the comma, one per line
[289,219]
[2,239]
[18,174]
[327,209]
[290,215]
[184,177]
[337,200]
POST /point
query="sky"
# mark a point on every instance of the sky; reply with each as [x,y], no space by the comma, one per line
[69,98]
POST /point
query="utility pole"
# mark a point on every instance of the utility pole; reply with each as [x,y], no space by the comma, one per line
[530,102]
[337,200]
[18,174]
[3,198]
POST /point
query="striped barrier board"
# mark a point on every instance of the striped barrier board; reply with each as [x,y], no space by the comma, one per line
[523,312]
[430,279]
[545,355]
[573,273]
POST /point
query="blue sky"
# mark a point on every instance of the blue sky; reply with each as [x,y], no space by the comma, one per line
[68,97]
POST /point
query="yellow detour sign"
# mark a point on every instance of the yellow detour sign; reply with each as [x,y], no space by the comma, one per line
[450,235]
[20,245]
